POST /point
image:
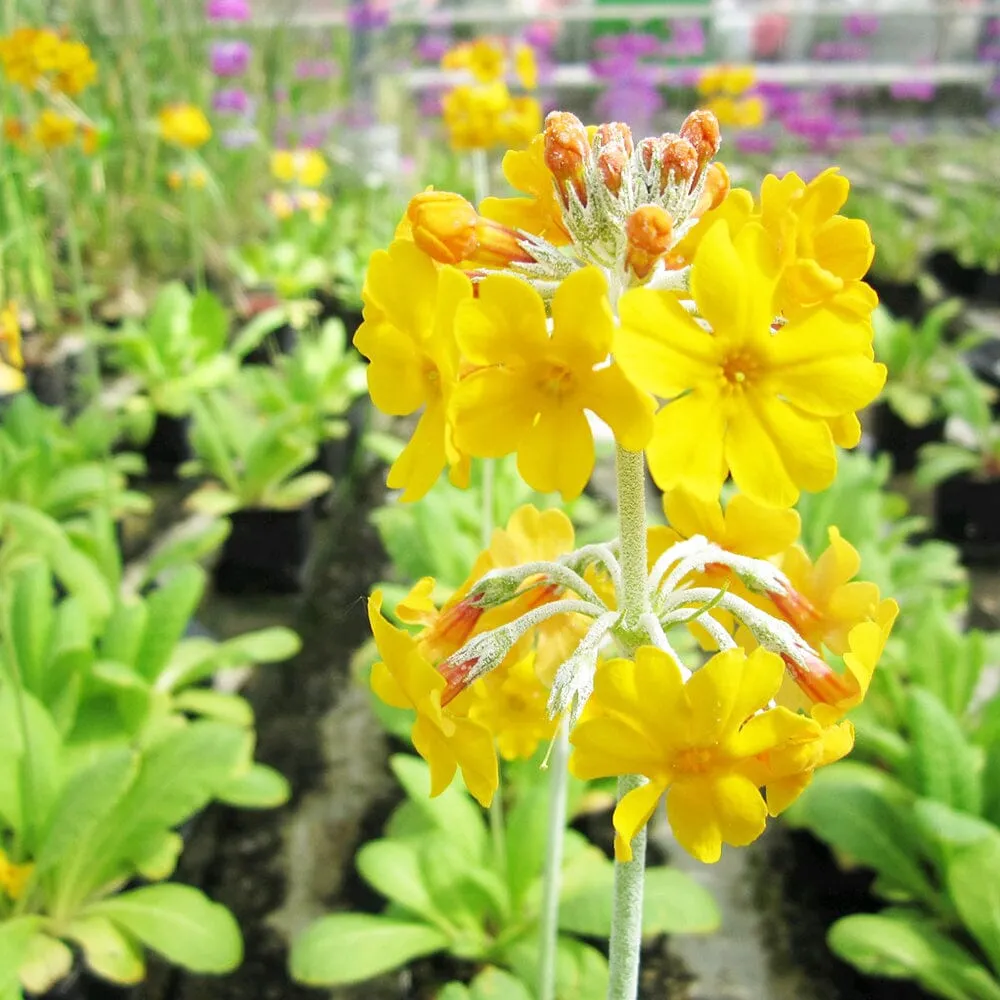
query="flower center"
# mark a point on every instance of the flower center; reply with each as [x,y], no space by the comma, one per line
[694,760]
[739,370]
[432,377]
[556,381]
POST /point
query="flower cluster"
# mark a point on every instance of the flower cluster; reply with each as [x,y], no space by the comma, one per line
[11,358]
[727,336]
[484,113]
[57,69]
[302,171]
[730,97]
[184,125]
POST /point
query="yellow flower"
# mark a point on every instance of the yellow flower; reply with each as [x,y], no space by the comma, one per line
[281,204]
[530,390]
[540,213]
[75,69]
[184,125]
[732,80]
[195,178]
[743,399]
[472,114]
[693,741]
[829,695]
[315,205]
[14,877]
[521,122]
[19,54]
[511,703]
[307,167]
[526,67]
[409,339]
[11,358]
[826,601]
[53,130]
[486,60]
[404,678]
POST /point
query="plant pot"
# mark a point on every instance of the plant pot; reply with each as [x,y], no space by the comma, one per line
[988,292]
[280,341]
[956,277]
[82,985]
[967,514]
[266,552]
[168,447]
[57,374]
[336,455]
[900,440]
[902,299]
[984,361]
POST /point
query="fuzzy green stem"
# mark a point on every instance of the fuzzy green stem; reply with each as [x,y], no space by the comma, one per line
[626,919]
[498,832]
[552,879]
[480,175]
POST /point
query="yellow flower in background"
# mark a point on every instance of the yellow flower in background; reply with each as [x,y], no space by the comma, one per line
[184,125]
[521,122]
[53,130]
[512,704]
[75,70]
[693,741]
[281,204]
[472,114]
[732,80]
[11,358]
[404,678]
[529,390]
[748,112]
[306,167]
[408,337]
[15,133]
[743,399]
[487,60]
[526,66]
[540,213]
[195,178]
[14,877]
[30,56]
[314,204]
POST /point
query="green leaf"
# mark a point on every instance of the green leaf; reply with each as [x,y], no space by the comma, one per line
[973,876]
[673,903]
[946,767]
[266,645]
[393,868]
[352,947]
[16,934]
[107,950]
[198,539]
[209,324]
[158,859]
[297,492]
[217,705]
[213,500]
[169,609]
[253,333]
[453,811]
[495,984]
[47,962]
[527,825]
[260,787]
[899,947]
[581,971]
[180,923]
[453,991]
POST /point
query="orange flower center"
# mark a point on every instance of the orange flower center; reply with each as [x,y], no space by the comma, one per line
[694,760]
[739,369]
[556,381]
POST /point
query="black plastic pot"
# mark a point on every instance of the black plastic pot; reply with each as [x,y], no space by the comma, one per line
[266,552]
[984,361]
[60,375]
[902,299]
[168,447]
[900,440]
[967,514]
[989,288]
[956,277]
[336,456]
[280,341]
[81,985]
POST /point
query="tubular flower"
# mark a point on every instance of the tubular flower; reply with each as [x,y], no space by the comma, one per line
[743,399]
[184,125]
[11,358]
[831,695]
[408,337]
[529,390]
[513,707]
[693,742]
[404,678]
[826,602]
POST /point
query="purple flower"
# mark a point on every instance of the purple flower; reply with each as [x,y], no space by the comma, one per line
[994,90]
[684,76]
[432,47]
[687,39]
[227,10]
[753,142]
[631,45]
[636,105]
[232,99]
[366,15]
[860,25]
[230,58]
[541,36]
[993,28]
[239,138]
[430,105]
[779,98]
[912,90]
[990,53]
[316,69]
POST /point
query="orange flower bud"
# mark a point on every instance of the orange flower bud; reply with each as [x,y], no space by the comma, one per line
[443,225]
[818,681]
[614,134]
[614,144]
[497,245]
[701,129]
[649,230]
[715,190]
[566,150]
[678,161]
[647,152]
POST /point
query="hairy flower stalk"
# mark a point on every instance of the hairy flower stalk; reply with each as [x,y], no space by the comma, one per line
[719,337]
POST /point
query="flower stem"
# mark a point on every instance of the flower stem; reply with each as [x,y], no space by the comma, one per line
[626,919]
[480,175]
[191,210]
[552,879]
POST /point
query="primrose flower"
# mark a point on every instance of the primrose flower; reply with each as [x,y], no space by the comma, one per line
[408,336]
[14,877]
[53,130]
[32,57]
[693,741]
[306,167]
[11,359]
[184,125]
[745,398]
[448,741]
[529,389]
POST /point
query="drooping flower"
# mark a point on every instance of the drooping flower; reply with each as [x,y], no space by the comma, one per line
[184,125]
[529,390]
[11,359]
[408,337]
[744,398]
[692,741]
[404,678]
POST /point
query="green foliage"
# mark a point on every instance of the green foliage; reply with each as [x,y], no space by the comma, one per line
[447,890]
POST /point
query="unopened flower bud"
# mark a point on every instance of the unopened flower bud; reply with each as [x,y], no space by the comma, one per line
[816,679]
[443,225]
[648,153]
[613,143]
[649,230]
[481,654]
[678,161]
[715,190]
[614,134]
[566,151]
[497,245]
[701,129]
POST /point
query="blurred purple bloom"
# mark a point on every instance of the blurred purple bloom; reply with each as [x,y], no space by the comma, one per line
[753,142]
[239,138]
[994,90]
[779,98]
[367,15]
[684,76]
[631,45]
[541,36]
[687,39]
[230,58]
[860,25]
[990,53]
[817,128]
[227,10]
[358,117]
[316,69]
[432,47]
[846,51]
[430,104]
[232,99]
[912,90]
[313,139]
[993,28]
[636,105]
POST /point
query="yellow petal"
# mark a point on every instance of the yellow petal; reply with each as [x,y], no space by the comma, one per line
[608,746]
[632,814]
[688,445]
[432,745]
[504,324]
[492,412]
[419,465]
[622,406]
[386,688]
[556,455]
[473,747]
[583,324]
[690,515]
[844,246]
[705,812]
[758,531]
[402,282]
[394,376]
